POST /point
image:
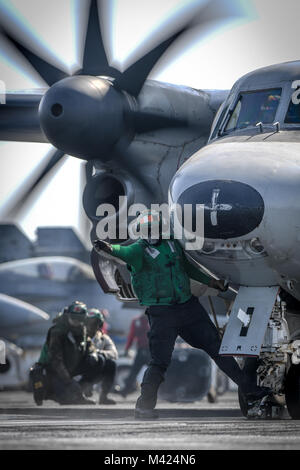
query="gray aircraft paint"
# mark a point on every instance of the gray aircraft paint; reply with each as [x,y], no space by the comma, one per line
[269,162]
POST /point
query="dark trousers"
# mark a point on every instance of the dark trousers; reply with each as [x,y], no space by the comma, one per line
[192,323]
[142,357]
[100,371]
[92,372]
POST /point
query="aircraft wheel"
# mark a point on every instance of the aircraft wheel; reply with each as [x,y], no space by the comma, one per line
[292,391]
[243,403]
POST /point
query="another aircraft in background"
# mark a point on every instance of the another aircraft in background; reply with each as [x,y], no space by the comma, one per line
[21,323]
[34,279]
[52,271]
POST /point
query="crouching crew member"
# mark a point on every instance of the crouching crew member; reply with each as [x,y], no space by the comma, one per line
[67,353]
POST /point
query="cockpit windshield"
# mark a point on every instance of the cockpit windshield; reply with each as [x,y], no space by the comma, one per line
[293,112]
[254,107]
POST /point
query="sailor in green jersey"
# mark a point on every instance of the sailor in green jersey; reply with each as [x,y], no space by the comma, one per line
[160,275]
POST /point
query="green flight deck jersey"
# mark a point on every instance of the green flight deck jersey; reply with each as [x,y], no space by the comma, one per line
[160,274]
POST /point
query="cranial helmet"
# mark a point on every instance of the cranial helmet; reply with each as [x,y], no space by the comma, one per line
[95,315]
[151,225]
[95,321]
[76,313]
[77,308]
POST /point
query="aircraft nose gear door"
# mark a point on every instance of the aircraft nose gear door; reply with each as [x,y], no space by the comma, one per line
[248,321]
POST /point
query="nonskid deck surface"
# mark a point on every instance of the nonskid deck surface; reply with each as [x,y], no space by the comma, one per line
[198,425]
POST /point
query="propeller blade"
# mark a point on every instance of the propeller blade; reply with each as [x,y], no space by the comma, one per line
[19,118]
[95,60]
[219,11]
[48,72]
[211,12]
[22,199]
[133,79]
[209,18]
[55,158]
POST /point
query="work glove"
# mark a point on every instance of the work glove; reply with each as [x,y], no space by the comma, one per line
[95,359]
[221,285]
[100,245]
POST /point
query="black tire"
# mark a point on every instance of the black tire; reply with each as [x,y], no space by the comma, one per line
[292,391]
[243,403]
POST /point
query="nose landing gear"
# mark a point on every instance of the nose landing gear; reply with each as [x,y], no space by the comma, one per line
[267,408]
[278,368]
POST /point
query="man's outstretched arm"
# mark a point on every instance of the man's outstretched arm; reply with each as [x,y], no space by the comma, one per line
[132,254]
[197,275]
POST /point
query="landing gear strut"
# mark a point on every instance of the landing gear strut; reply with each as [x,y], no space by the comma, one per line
[278,368]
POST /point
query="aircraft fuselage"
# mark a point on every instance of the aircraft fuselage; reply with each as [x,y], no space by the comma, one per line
[248,180]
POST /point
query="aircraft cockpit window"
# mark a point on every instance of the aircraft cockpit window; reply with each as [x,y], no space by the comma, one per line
[254,107]
[293,112]
[232,124]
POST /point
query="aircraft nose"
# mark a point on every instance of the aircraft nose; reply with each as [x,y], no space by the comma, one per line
[231,208]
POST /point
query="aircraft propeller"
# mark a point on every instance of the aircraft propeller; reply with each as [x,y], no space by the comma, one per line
[92,117]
